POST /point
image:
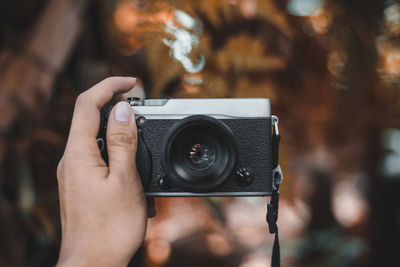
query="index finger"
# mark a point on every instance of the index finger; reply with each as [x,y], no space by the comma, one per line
[86,117]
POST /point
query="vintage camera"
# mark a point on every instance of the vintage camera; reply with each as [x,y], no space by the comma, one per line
[202,147]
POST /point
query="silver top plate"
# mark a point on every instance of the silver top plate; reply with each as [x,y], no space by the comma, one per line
[219,108]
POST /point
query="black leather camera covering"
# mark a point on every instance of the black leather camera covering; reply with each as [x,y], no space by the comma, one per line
[253,137]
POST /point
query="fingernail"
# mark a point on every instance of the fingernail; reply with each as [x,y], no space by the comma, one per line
[123,112]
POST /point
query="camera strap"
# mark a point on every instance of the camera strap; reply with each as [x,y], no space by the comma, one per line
[273,203]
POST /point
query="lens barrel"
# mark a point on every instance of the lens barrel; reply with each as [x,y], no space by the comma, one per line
[199,153]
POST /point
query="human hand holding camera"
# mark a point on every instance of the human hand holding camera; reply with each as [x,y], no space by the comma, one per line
[187,147]
[103,208]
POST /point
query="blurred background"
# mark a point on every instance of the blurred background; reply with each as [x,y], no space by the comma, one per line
[332,72]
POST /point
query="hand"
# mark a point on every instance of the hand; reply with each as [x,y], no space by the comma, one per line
[103,209]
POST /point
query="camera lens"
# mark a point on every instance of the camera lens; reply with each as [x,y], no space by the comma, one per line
[201,156]
[199,153]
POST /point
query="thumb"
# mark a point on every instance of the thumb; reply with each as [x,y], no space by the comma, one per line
[122,140]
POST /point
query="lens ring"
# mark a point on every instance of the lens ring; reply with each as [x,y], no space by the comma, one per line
[209,133]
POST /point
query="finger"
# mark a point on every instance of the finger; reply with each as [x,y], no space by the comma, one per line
[86,118]
[122,140]
[151,207]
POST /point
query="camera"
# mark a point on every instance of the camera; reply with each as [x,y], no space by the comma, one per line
[202,147]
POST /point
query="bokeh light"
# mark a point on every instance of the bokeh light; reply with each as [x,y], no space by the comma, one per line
[331,70]
[304,7]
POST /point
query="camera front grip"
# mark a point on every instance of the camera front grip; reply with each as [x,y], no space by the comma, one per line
[145,166]
[146,163]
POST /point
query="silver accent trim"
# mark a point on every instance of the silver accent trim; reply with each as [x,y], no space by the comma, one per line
[275,121]
[148,102]
[101,144]
[219,108]
[215,194]
[277,177]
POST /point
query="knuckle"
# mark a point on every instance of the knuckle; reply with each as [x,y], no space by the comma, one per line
[122,139]
[59,169]
[67,158]
[82,98]
[67,164]
[108,79]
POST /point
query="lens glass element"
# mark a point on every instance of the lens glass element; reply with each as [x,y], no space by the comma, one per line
[201,156]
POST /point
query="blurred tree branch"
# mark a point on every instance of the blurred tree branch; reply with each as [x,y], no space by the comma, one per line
[25,88]
[28,77]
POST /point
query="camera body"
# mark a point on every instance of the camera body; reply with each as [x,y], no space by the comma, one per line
[202,147]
